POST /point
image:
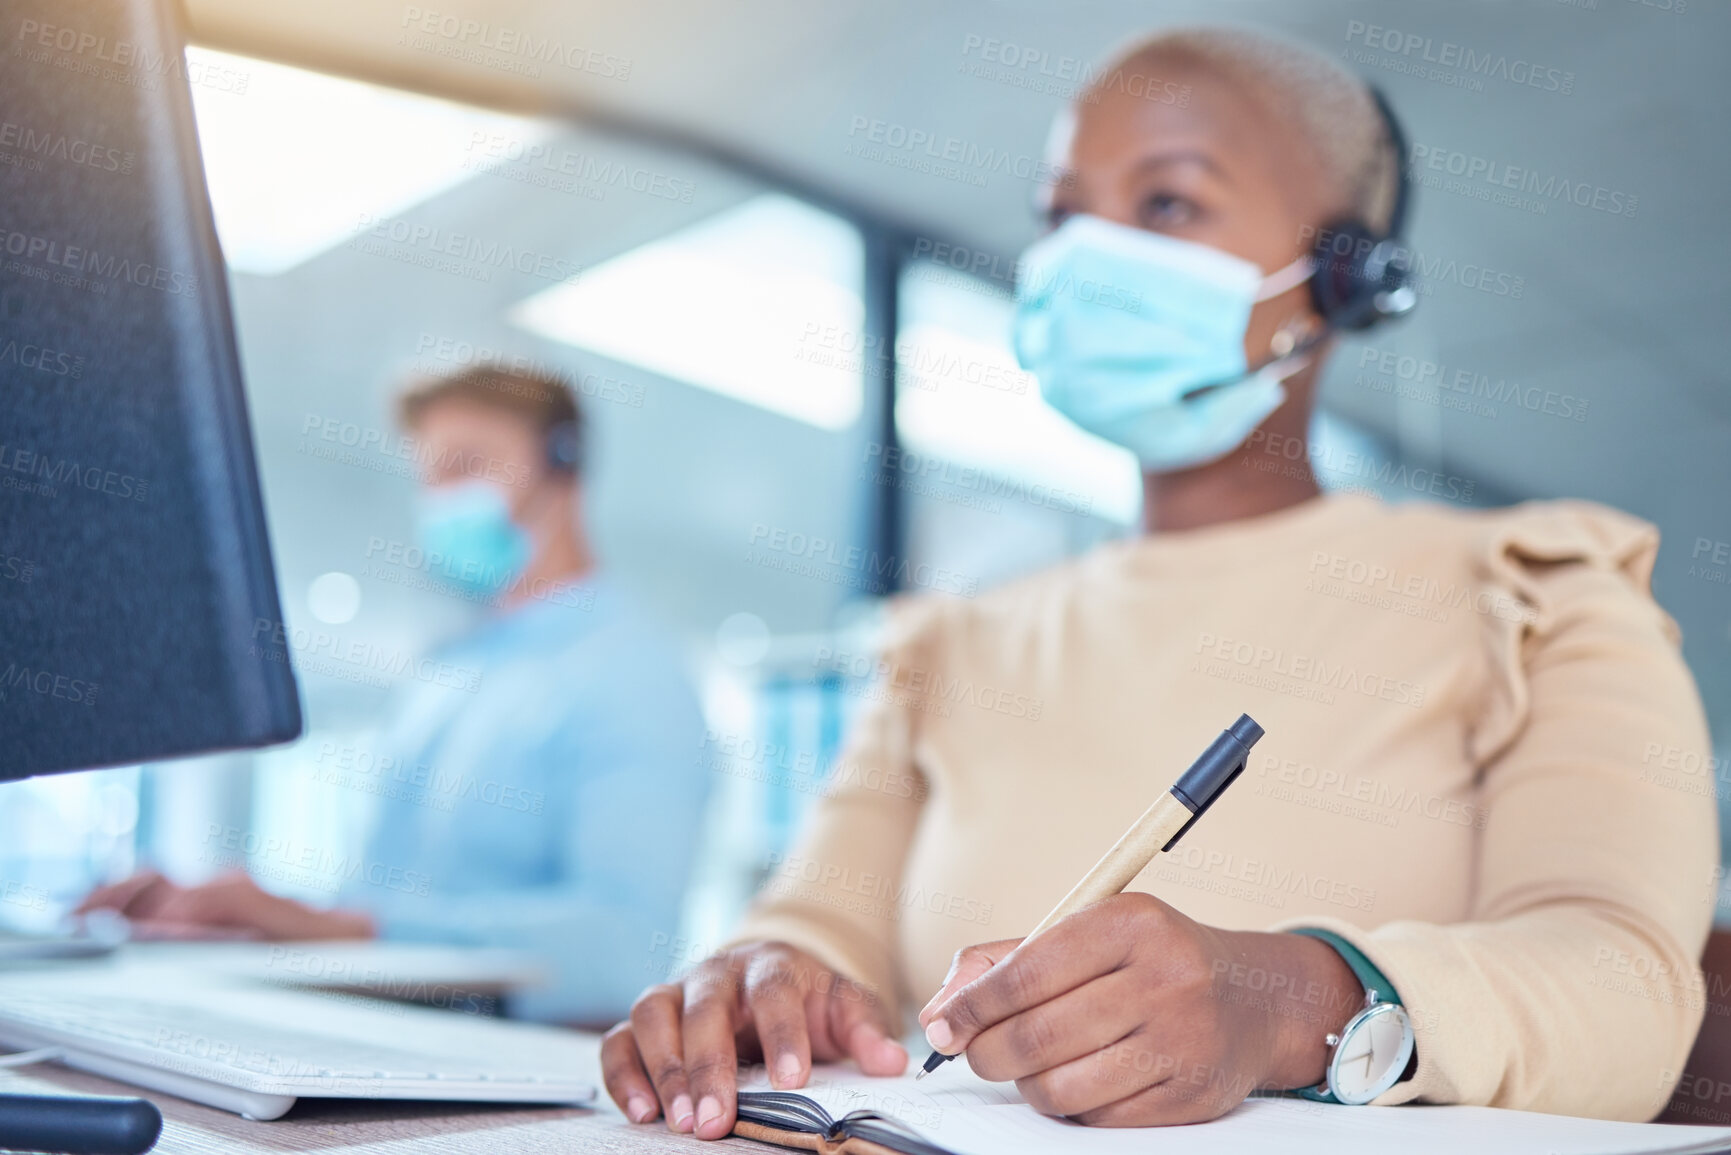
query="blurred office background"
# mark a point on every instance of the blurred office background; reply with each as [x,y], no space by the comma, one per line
[773,245]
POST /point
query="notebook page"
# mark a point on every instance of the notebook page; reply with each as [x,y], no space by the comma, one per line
[955,1108]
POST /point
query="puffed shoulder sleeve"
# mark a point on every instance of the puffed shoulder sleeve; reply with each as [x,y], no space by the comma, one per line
[1573,987]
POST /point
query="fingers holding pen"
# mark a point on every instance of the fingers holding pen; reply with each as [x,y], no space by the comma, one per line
[969,964]
[1075,951]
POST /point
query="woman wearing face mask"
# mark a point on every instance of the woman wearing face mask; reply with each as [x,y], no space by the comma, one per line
[1450,851]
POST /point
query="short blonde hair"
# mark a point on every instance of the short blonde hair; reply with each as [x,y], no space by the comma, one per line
[1330,106]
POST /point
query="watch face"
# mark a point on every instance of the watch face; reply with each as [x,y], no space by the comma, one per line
[1373,1053]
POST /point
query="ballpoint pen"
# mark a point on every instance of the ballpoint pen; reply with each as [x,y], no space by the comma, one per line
[1157,831]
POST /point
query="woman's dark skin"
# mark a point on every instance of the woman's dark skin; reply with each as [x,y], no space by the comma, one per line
[1126,1013]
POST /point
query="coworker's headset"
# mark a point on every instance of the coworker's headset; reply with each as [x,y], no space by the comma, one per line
[564,448]
[1362,276]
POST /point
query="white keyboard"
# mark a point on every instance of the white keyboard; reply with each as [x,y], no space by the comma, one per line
[256,1050]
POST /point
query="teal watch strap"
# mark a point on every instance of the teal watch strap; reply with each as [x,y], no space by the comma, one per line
[1362,968]
[1368,975]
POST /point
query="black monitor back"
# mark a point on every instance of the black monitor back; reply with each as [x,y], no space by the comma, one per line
[135,572]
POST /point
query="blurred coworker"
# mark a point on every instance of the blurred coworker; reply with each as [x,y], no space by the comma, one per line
[554,809]
[1459,705]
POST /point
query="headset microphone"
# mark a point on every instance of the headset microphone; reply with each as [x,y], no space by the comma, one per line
[1298,350]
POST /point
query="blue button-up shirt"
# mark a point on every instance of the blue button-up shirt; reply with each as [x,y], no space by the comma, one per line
[560,800]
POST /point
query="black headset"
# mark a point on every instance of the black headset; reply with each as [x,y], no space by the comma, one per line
[1363,276]
[565,448]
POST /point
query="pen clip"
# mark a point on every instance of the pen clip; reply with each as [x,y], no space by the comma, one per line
[1210,775]
[1200,810]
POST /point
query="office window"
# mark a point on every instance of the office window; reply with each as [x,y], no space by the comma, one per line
[709,325]
[59,836]
[994,481]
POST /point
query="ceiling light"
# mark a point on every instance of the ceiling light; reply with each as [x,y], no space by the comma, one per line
[760,303]
[297,160]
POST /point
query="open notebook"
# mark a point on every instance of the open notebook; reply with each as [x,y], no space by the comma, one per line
[954,1112]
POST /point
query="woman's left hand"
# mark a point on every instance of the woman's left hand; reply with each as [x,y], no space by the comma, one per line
[1128,1014]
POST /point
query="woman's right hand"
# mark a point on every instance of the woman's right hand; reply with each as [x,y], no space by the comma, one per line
[678,1055]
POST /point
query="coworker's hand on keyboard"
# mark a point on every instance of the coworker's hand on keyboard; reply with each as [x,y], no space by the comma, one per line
[230,906]
[678,1054]
[1129,1014]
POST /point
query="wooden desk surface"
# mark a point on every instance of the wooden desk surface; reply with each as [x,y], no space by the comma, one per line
[337,1125]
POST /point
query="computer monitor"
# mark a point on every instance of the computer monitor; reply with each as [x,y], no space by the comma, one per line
[138,602]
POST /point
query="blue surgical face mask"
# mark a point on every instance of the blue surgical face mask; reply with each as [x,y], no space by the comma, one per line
[1126,330]
[469,537]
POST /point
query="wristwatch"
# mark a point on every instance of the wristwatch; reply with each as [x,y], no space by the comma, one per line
[1371,1053]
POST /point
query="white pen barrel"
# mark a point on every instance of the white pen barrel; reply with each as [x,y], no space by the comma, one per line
[1127,858]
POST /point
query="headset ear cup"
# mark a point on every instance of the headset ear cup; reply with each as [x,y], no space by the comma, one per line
[1341,288]
[565,448]
[1363,276]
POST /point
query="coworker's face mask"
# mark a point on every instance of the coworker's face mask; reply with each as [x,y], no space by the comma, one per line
[1127,329]
[469,537]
